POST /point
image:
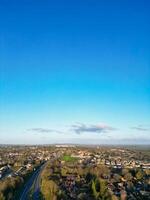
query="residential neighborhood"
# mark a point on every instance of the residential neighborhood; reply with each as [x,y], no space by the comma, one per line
[76,172]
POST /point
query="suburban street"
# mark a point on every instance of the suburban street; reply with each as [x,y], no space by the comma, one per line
[35,182]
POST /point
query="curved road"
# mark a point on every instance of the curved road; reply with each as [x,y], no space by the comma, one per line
[35,182]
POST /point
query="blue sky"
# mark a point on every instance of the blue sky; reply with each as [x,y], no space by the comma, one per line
[74,71]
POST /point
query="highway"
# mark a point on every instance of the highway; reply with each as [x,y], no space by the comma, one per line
[35,182]
[36,188]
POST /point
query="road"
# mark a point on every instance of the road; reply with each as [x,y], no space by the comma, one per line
[36,188]
[35,182]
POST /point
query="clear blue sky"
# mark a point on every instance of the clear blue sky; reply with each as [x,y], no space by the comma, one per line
[74,71]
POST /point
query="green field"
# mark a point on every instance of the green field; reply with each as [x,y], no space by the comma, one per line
[68,158]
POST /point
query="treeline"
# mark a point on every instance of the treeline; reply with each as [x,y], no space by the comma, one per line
[9,188]
[49,188]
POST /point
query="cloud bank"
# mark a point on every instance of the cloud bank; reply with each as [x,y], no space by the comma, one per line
[43,130]
[140,128]
[81,128]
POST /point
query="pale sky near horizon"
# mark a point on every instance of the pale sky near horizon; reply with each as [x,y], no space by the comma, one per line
[74,71]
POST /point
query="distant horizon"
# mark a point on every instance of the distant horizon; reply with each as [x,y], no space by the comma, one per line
[80,144]
[77,144]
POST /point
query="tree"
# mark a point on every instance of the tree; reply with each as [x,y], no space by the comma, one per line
[49,189]
[147,172]
[103,188]
[95,193]
[2,196]
[128,176]
[117,178]
[114,197]
[9,187]
[99,189]
[82,196]
[139,175]
[125,171]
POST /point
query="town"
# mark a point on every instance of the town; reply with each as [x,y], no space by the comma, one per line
[74,172]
